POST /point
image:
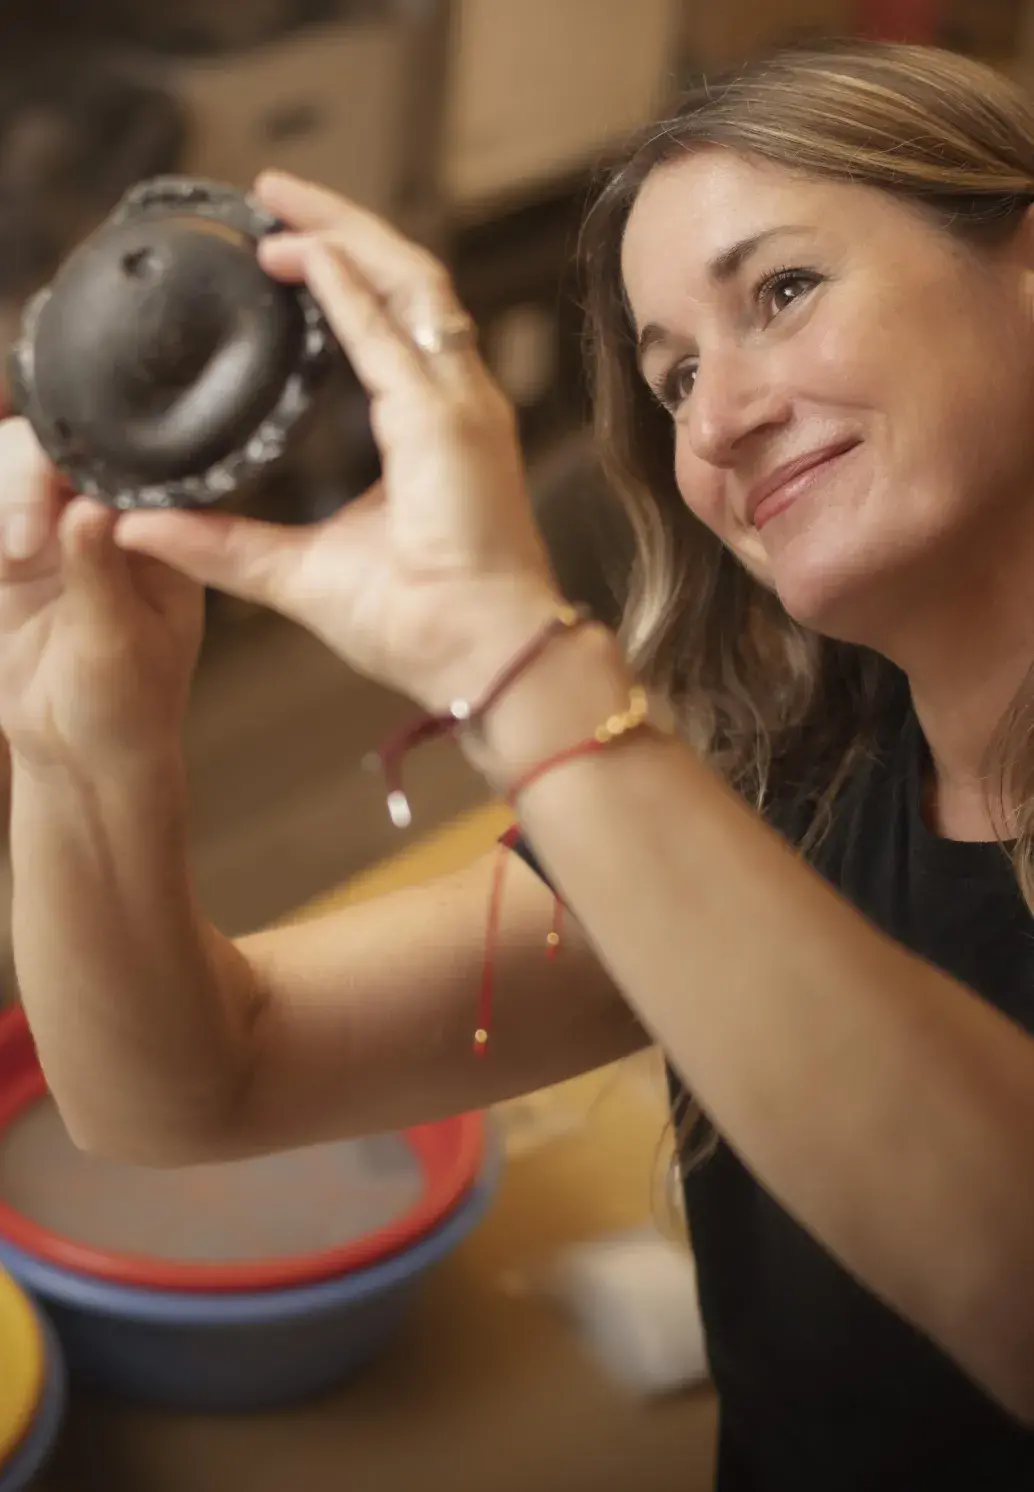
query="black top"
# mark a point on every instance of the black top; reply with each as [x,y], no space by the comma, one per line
[822,1388]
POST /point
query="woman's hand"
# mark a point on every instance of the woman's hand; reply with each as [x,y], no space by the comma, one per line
[97,647]
[430,581]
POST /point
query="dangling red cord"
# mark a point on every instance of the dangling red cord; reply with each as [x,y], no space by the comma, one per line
[463,715]
[495,903]
[632,719]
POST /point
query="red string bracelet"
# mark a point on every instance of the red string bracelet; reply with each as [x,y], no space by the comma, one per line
[462,714]
[633,718]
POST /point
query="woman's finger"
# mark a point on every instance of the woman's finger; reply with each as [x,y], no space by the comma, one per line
[31,493]
[398,291]
[244,557]
[95,574]
[282,255]
[309,208]
[392,263]
[301,204]
[372,243]
[385,361]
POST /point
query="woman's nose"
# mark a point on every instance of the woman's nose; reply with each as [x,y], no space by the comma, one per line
[732,400]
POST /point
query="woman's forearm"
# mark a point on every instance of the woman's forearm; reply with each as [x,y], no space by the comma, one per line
[885,1105]
[137,1005]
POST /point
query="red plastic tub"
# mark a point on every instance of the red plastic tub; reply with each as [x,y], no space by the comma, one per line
[267,1224]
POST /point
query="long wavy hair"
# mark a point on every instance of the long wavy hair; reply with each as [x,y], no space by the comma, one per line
[767,701]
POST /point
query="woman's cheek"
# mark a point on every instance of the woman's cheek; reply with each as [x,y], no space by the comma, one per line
[701,488]
[703,491]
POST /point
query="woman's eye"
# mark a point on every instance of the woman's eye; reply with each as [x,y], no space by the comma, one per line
[676,387]
[774,294]
[782,289]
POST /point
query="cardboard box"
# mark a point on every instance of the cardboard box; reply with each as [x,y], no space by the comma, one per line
[539,88]
[324,103]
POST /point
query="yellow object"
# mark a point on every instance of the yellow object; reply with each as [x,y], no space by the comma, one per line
[449,849]
[22,1366]
[629,719]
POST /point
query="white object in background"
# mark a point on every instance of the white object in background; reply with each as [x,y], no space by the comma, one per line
[539,88]
[634,1299]
[535,1120]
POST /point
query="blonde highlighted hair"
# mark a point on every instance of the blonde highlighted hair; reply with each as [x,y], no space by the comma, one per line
[765,700]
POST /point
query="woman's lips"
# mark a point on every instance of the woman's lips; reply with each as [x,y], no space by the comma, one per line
[787,493]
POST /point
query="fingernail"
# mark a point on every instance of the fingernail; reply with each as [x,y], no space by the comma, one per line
[24,532]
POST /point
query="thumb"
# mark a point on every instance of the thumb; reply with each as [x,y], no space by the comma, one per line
[241,556]
[93,569]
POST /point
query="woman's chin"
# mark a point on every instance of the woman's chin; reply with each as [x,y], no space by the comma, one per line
[829,594]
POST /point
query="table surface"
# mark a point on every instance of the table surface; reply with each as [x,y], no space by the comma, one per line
[488,1388]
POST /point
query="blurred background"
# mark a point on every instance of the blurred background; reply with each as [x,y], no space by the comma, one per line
[477,127]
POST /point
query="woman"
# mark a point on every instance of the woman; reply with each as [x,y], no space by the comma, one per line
[813,313]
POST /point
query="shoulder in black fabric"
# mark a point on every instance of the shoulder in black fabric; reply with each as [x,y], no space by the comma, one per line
[821,1384]
[521,847]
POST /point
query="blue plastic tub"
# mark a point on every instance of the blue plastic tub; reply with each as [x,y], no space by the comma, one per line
[35,1450]
[244,1351]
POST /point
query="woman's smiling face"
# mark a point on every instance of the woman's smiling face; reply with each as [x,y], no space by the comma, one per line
[851,386]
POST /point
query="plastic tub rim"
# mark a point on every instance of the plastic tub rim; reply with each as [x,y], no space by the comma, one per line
[442,1193]
[77,1292]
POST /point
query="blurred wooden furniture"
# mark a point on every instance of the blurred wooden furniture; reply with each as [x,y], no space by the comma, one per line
[357,104]
[539,89]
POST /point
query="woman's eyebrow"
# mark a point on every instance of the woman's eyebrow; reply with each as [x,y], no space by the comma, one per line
[722,268]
